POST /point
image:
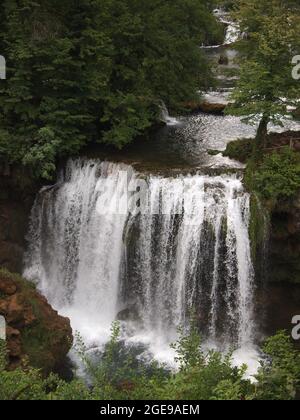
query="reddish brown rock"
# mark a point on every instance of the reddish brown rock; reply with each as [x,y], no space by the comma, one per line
[7,287]
[14,343]
[212,108]
[207,107]
[15,310]
[35,331]
[3,307]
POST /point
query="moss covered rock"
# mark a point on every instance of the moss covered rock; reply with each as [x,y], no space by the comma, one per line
[35,332]
[240,150]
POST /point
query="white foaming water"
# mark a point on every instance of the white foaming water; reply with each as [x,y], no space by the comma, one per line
[166,118]
[191,249]
[233,33]
[75,254]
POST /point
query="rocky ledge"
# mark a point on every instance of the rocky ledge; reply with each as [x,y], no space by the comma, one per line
[35,332]
[206,107]
[210,103]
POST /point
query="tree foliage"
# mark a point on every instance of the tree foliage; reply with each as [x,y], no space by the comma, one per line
[278,176]
[95,70]
[279,379]
[271,39]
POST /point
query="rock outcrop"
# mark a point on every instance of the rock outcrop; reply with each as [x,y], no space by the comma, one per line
[210,103]
[35,332]
[285,243]
[284,235]
[17,194]
[206,106]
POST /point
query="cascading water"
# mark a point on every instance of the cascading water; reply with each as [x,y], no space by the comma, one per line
[75,254]
[196,254]
[188,248]
[165,116]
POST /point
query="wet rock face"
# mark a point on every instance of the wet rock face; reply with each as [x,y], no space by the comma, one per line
[276,305]
[11,231]
[34,330]
[294,219]
[285,243]
[17,194]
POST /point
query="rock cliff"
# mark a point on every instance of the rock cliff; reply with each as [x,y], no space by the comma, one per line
[35,332]
[17,194]
[285,243]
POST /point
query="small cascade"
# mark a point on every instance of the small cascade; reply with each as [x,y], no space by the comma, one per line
[233,34]
[233,30]
[165,116]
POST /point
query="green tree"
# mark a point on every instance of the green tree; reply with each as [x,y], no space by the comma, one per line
[204,375]
[95,71]
[56,75]
[279,377]
[278,177]
[266,86]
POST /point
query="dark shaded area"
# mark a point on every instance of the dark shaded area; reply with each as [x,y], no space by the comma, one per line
[17,195]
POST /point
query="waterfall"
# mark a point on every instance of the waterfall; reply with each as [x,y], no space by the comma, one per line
[233,33]
[165,116]
[74,252]
[94,258]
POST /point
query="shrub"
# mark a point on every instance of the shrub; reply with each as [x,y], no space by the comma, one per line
[278,177]
[240,150]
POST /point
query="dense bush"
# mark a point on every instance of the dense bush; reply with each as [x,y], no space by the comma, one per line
[240,150]
[278,177]
[201,376]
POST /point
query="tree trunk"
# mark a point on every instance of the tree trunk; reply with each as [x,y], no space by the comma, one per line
[262,132]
